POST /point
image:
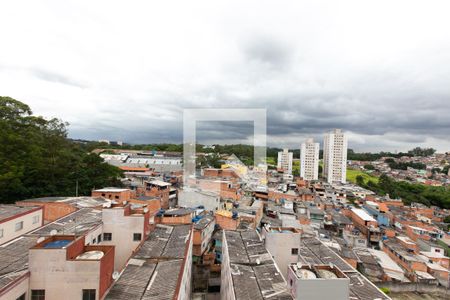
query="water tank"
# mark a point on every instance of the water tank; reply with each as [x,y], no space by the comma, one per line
[305,274]
[91,255]
[326,274]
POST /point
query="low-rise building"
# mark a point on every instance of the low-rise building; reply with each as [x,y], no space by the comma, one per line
[158,188]
[160,269]
[57,207]
[283,244]
[189,197]
[203,231]
[317,282]
[112,193]
[248,270]
[125,227]
[16,221]
[63,267]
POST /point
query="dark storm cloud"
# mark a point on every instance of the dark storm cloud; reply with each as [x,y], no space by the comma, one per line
[313,66]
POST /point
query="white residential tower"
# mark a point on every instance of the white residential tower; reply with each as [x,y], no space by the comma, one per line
[309,160]
[284,162]
[335,156]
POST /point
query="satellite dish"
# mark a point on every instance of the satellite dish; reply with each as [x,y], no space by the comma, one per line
[115,275]
[54,232]
[145,210]
[258,261]
[124,202]
[40,240]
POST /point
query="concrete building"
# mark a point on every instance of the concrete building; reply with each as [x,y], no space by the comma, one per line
[57,207]
[63,267]
[190,197]
[14,274]
[113,193]
[85,221]
[309,160]
[335,156]
[313,252]
[160,269]
[158,188]
[317,282]
[284,162]
[203,231]
[248,270]
[283,244]
[125,227]
[16,221]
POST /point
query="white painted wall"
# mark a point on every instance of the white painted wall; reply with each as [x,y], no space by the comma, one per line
[31,221]
[193,198]
[186,280]
[20,288]
[280,246]
[122,229]
[60,278]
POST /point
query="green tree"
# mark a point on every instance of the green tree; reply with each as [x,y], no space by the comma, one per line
[37,159]
[360,181]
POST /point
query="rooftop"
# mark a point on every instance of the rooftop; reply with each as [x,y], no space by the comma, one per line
[78,223]
[143,279]
[111,190]
[253,271]
[14,259]
[8,211]
[363,214]
[314,252]
[203,222]
[159,183]
[165,241]
[153,272]
[75,201]
[178,212]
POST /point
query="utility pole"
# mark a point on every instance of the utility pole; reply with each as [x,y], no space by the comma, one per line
[76,189]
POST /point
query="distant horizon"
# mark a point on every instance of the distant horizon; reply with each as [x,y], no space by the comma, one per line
[130,73]
[272,147]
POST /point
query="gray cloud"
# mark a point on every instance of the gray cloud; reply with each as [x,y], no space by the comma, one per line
[56,78]
[313,65]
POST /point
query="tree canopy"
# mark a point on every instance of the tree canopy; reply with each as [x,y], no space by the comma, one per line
[37,159]
[408,192]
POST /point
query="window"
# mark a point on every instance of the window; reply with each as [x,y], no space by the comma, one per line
[117,197]
[37,294]
[137,237]
[294,251]
[88,294]
[19,225]
[103,195]
[107,236]
[93,241]
[35,219]
[21,297]
[99,238]
[1,233]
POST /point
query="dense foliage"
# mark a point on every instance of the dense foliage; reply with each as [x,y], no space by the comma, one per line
[408,192]
[351,155]
[404,165]
[37,159]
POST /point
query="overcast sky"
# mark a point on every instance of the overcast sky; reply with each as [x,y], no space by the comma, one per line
[125,70]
